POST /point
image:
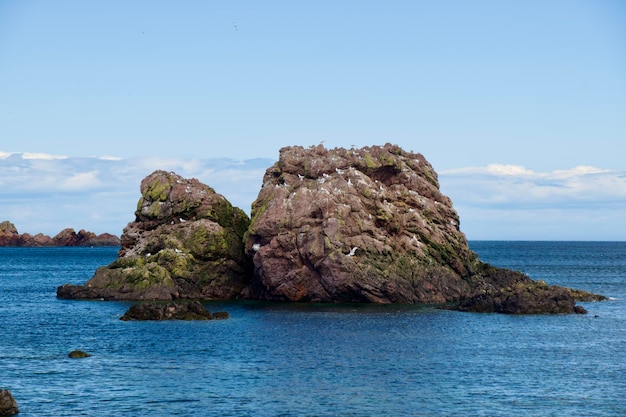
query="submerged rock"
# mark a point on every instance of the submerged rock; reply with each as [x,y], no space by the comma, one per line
[171,311]
[186,242]
[78,354]
[8,405]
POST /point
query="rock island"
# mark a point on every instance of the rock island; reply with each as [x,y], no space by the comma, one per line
[366,225]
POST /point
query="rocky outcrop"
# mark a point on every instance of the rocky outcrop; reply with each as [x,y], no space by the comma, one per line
[340,225]
[9,236]
[186,242]
[8,405]
[532,298]
[360,225]
[171,311]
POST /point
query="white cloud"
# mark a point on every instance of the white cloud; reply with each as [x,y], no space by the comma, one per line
[81,181]
[512,202]
[513,170]
[44,156]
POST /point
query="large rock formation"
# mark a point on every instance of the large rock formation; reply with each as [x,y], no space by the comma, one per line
[361,225]
[9,236]
[340,225]
[186,242]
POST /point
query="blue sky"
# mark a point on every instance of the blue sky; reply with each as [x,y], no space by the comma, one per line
[519,106]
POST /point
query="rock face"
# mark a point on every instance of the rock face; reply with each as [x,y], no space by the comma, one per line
[9,236]
[186,242]
[171,311]
[8,405]
[360,225]
[340,225]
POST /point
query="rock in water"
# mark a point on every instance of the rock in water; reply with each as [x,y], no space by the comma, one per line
[186,242]
[171,311]
[8,405]
[340,225]
[359,225]
[78,354]
[530,298]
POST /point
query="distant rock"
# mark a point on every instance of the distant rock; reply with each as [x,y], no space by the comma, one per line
[339,225]
[171,311]
[9,236]
[186,242]
[8,405]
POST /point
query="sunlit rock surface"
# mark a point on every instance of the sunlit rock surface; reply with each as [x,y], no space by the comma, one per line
[329,225]
[186,242]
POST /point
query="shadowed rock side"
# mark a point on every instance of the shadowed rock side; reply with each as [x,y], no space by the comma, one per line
[528,298]
[185,242]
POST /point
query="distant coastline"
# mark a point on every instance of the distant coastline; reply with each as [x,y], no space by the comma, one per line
[9,236]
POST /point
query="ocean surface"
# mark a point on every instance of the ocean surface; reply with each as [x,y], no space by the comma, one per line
[316,360]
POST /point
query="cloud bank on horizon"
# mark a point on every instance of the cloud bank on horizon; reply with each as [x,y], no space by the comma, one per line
[47,193]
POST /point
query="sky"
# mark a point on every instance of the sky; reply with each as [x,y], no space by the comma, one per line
[519,106]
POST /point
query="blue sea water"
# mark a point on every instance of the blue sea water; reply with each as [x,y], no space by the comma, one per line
[316,360]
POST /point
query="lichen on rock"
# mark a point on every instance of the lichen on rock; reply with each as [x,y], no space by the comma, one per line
[328,225]
[185,242]
[357,225]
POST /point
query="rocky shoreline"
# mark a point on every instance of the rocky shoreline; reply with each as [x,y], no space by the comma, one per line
[340,225]
[9,236]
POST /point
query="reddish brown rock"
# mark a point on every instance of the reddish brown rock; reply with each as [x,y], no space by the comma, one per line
[340,225]
[363,225]
[358,225]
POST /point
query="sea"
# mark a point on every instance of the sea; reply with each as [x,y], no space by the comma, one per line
[279,359]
